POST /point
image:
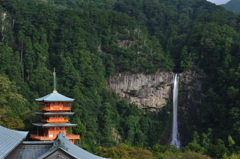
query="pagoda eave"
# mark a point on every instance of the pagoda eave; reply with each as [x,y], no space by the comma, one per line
[54,97]
[54,125]
[54,113]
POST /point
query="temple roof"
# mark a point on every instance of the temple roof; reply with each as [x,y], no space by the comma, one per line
[60,147]
[54,97]
[54,125]
[54,113]
[9,140]
[61,142]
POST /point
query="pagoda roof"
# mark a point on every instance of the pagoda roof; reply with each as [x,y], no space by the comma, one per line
[54,97]
[54,113]
[9,140]
[54,125]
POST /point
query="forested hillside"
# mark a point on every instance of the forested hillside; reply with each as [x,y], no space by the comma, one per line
[83,47]
[81,39]
[233,5]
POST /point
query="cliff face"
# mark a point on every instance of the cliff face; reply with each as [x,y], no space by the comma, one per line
[190,98]
[147,91]
[153,91]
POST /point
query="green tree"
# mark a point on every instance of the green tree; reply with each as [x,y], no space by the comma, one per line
[12,104]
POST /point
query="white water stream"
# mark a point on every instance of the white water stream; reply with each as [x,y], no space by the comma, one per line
[175,135]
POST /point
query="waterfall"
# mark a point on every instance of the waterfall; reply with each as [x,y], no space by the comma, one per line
[175,135]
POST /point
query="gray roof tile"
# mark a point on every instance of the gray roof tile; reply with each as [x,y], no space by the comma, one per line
[9,139]
[62,142]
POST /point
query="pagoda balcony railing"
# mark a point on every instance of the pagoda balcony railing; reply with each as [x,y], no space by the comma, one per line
[55,120]
[56,108]
[42,138]
[71,136]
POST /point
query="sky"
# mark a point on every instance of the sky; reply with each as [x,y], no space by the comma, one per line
[219,1]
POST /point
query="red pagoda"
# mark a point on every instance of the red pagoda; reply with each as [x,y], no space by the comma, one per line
[55,107]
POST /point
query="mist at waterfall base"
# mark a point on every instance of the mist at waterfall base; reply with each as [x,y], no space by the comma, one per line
[175,135]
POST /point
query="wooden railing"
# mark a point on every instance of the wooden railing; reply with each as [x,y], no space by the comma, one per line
[71,136]
[55,120]
[55,108]
[42,138]
[57,104]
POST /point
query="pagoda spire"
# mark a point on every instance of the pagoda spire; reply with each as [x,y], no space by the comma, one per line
[54,81]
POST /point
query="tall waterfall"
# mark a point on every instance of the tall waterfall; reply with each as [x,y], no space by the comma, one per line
[175,135]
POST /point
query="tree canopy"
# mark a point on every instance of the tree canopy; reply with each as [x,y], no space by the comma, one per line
[88,41]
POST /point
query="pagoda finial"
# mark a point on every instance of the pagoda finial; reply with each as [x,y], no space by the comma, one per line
[54,81]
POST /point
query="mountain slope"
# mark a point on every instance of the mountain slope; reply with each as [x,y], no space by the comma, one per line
[84,47]
[99,38]
[233,5]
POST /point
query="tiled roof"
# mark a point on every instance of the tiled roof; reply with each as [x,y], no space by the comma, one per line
[61,142]
[54,125]
[54,113]
[54,97]
[30,150]
[11,146]
[9,139]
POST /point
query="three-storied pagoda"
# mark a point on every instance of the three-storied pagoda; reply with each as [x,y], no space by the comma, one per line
[55,108]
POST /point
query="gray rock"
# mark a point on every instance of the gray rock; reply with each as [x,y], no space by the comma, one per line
[154,90]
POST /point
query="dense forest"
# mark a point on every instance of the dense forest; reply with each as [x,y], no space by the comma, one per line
[81,39]
[233,6]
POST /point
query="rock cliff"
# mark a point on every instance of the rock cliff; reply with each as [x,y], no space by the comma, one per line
[153,91]
[147,91]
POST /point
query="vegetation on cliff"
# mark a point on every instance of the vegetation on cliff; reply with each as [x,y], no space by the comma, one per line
[87,41]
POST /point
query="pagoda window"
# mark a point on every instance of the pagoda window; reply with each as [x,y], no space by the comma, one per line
[66,104]
[50,133]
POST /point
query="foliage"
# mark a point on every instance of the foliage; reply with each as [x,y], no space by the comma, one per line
[233,6]
[218,150]
[195,155]
[195,146]
[185,155]
[85,46]
[11,103]
[88,41]
[124,152]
